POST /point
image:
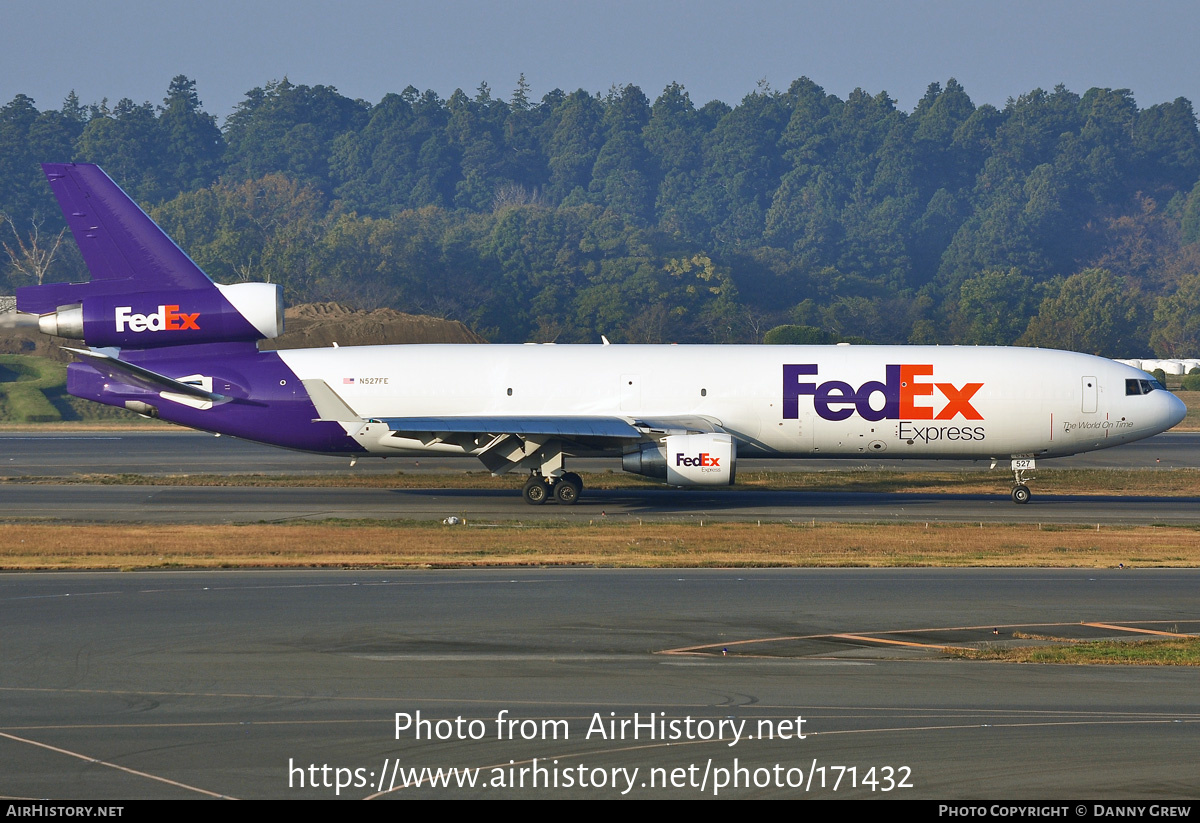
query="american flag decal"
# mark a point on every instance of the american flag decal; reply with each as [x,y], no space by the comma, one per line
[346,381]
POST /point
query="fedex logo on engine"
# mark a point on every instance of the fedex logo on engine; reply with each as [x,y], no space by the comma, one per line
[903,395]
[167,318]
[705,460]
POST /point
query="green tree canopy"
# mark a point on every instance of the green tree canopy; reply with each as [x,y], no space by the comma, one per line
[1093,312]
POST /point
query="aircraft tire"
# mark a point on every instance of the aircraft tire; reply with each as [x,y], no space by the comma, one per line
[1021,494]
[536,491]
[567,489]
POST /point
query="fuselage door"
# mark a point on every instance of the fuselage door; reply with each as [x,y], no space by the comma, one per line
[1090,394]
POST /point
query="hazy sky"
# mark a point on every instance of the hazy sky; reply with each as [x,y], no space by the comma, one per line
[717,50]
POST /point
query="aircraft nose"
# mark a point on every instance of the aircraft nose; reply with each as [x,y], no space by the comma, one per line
[1175,411]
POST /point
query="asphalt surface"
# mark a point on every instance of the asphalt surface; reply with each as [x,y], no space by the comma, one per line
[164,453]
[249,684]
[176,451]
[220,505]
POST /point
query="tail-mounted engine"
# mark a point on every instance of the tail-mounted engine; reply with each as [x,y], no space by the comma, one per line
[143,320]
[686,460]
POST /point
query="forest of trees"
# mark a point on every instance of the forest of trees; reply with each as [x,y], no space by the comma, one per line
[1061,220]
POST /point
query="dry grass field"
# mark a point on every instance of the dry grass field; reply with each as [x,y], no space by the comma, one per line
[1176,651]
[624,544]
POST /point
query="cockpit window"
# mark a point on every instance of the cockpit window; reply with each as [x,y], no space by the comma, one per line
[1142,386]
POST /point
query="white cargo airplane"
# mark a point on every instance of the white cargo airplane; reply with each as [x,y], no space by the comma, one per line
[165,341]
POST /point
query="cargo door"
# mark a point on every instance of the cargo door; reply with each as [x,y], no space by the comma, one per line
[1090,395]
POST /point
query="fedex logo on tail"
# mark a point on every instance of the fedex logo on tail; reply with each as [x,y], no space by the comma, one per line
[905,393]
[167,318]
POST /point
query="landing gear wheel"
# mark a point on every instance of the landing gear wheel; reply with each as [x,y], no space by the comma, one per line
[567,489]
[1021,494]
[536,490]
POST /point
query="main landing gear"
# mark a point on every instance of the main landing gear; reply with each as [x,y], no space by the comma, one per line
[565,488]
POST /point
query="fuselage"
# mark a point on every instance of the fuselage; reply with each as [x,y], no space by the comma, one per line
[788,401]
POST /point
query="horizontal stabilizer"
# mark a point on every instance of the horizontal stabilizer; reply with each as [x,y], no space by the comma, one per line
[123,372]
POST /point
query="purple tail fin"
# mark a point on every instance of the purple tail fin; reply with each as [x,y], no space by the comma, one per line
[144,292]
[123,248]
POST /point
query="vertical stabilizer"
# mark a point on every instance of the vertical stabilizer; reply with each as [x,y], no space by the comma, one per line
[123,248]
[144,292]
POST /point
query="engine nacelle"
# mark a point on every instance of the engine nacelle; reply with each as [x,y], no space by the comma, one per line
[687,460]
[143,320]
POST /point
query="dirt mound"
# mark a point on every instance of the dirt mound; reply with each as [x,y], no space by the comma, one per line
[313,325]
[25,340]
[310,325]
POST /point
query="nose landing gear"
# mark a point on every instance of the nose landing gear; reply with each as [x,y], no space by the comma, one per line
[1020,492]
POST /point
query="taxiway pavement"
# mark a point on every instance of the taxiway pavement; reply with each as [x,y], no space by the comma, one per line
[175,451]
[248,684]
[160,453]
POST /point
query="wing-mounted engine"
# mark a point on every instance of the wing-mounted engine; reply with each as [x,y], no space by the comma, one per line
[686,460]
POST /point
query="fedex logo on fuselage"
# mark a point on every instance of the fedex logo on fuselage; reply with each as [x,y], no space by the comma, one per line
[904,394]
[167,318]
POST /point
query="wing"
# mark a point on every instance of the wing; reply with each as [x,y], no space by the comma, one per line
[502,442]
[549,426]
